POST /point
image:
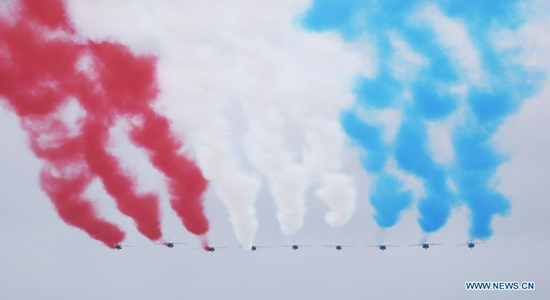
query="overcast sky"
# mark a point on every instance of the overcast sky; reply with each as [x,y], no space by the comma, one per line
[360,122]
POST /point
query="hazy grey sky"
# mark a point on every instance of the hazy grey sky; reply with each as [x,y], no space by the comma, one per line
[43,258]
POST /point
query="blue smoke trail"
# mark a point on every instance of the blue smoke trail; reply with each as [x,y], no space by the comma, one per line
[475,160]
[387,196]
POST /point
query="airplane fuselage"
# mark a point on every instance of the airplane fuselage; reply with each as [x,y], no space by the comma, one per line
[253,248]
[118,246]
[425,246]
[382,247]
[170,245]
[294,247]
[211,249]
[471,245]
[338,247]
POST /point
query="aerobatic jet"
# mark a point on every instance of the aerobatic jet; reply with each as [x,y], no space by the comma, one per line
[119,246]
[382,246]
[425,245]
[170,244]
[338,246]
[211,248]
[295,246]
[471,244]
[255,247]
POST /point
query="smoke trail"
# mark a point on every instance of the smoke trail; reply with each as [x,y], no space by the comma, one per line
[445,54]
[267,152]
[35,79]
[65,176]
[269,69]
[143,209]
[412,155]
[237,189]
[121,95]
[325,141]
[387,195]
[129,83]
[39,77]
[185,181]
[66,195]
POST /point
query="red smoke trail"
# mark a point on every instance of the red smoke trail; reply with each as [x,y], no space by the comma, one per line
[38,74]
[185,181]
[65,177]
[144,209]
[130,85]
[66,195]
[35,78]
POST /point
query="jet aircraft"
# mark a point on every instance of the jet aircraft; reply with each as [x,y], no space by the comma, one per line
[119,246]
[425,245]
[255,247]
[211,248]
[382,246]
[170,244]
[471,244]
[295,246]
[338,246]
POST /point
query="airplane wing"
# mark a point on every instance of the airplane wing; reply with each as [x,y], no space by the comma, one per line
[374,246]
[178,243]
[302,245]
[433,244]
[465,244]
[480,243]
[391,245]
[124,245]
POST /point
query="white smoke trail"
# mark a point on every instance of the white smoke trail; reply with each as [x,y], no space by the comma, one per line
[237,189]
[267,152]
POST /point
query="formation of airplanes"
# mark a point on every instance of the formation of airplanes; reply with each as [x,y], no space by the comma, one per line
[295,246]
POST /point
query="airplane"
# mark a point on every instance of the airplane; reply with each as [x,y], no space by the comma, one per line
[255,247]
[211,248]
[382,246]
[170,244]
[119,246]
[471,244]
[338,246]
[425,245]
[295,246]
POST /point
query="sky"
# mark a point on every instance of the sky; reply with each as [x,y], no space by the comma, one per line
[273,122]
